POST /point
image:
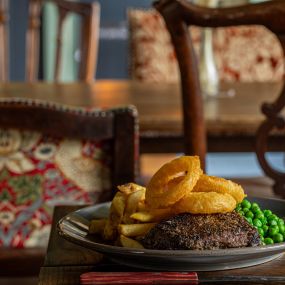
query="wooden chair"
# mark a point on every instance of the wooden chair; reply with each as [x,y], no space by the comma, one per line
[106,140]
[178,15]
[3,41]
[90,15]
[152,57]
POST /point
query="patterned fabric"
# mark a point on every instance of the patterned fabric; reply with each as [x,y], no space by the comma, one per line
[152,55]
[38,172]
[244,53]
[248,53]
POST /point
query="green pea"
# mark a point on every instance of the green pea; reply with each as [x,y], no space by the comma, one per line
[245,210]
[261,231]
[254,204]
[254,208]
[241,213]
[268,241]
[249,219]
[273,230]
[272,217]
[259,215]
[257,223]
[265,228]
[282,229]
[278,238]
[272,223]
[264,221]
[238,208]
[249,214]
[238,205]
[267,213]
[246,204]
[275,217]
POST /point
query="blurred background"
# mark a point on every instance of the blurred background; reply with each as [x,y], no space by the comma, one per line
[113,45]
[113,62]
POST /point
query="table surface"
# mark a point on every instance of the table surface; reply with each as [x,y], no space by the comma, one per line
[231,122]
[66,261]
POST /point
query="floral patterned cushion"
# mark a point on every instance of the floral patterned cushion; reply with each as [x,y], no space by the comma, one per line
[244,53]
[38,172]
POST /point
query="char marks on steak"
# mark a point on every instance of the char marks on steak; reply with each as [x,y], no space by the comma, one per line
[211,231]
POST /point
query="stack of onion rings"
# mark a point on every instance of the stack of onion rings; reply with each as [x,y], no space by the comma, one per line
[181,184]
[206,203]
[173,181]
[219,185]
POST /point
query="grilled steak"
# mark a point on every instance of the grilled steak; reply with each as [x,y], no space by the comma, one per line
[187,231]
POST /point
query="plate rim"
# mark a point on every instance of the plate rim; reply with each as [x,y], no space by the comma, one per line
[112,249]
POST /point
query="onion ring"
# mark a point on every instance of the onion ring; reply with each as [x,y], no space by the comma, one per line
[205,203]
[219,185]
[173,181]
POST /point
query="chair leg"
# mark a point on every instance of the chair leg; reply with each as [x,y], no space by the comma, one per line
[279,189]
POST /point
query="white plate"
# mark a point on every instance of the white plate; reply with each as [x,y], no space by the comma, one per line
[74,227]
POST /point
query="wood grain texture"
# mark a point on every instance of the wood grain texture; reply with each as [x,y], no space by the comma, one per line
[64,264]
[65,261]
[4,70]
[21,262]
[269,14]
[63,253]
[194,129]
[178,15]
[90,15]
[33,40]
[231,123]
[62,275]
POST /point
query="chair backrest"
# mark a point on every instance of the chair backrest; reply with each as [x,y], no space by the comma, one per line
[241,53]
[178,15]
[3,41]
[52,154]
[90,17]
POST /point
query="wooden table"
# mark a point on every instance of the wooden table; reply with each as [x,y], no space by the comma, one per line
[66,261]
[231,122]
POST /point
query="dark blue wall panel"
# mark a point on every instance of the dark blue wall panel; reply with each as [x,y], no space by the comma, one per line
[113,49]
[114,11]
[18,26]
[113,59]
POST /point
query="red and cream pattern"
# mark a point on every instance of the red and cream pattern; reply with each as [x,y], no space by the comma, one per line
[244,53]
[152,56]
[38,172]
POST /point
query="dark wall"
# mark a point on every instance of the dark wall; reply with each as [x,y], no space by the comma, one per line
[113,47]
[18,25]
[115,10]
